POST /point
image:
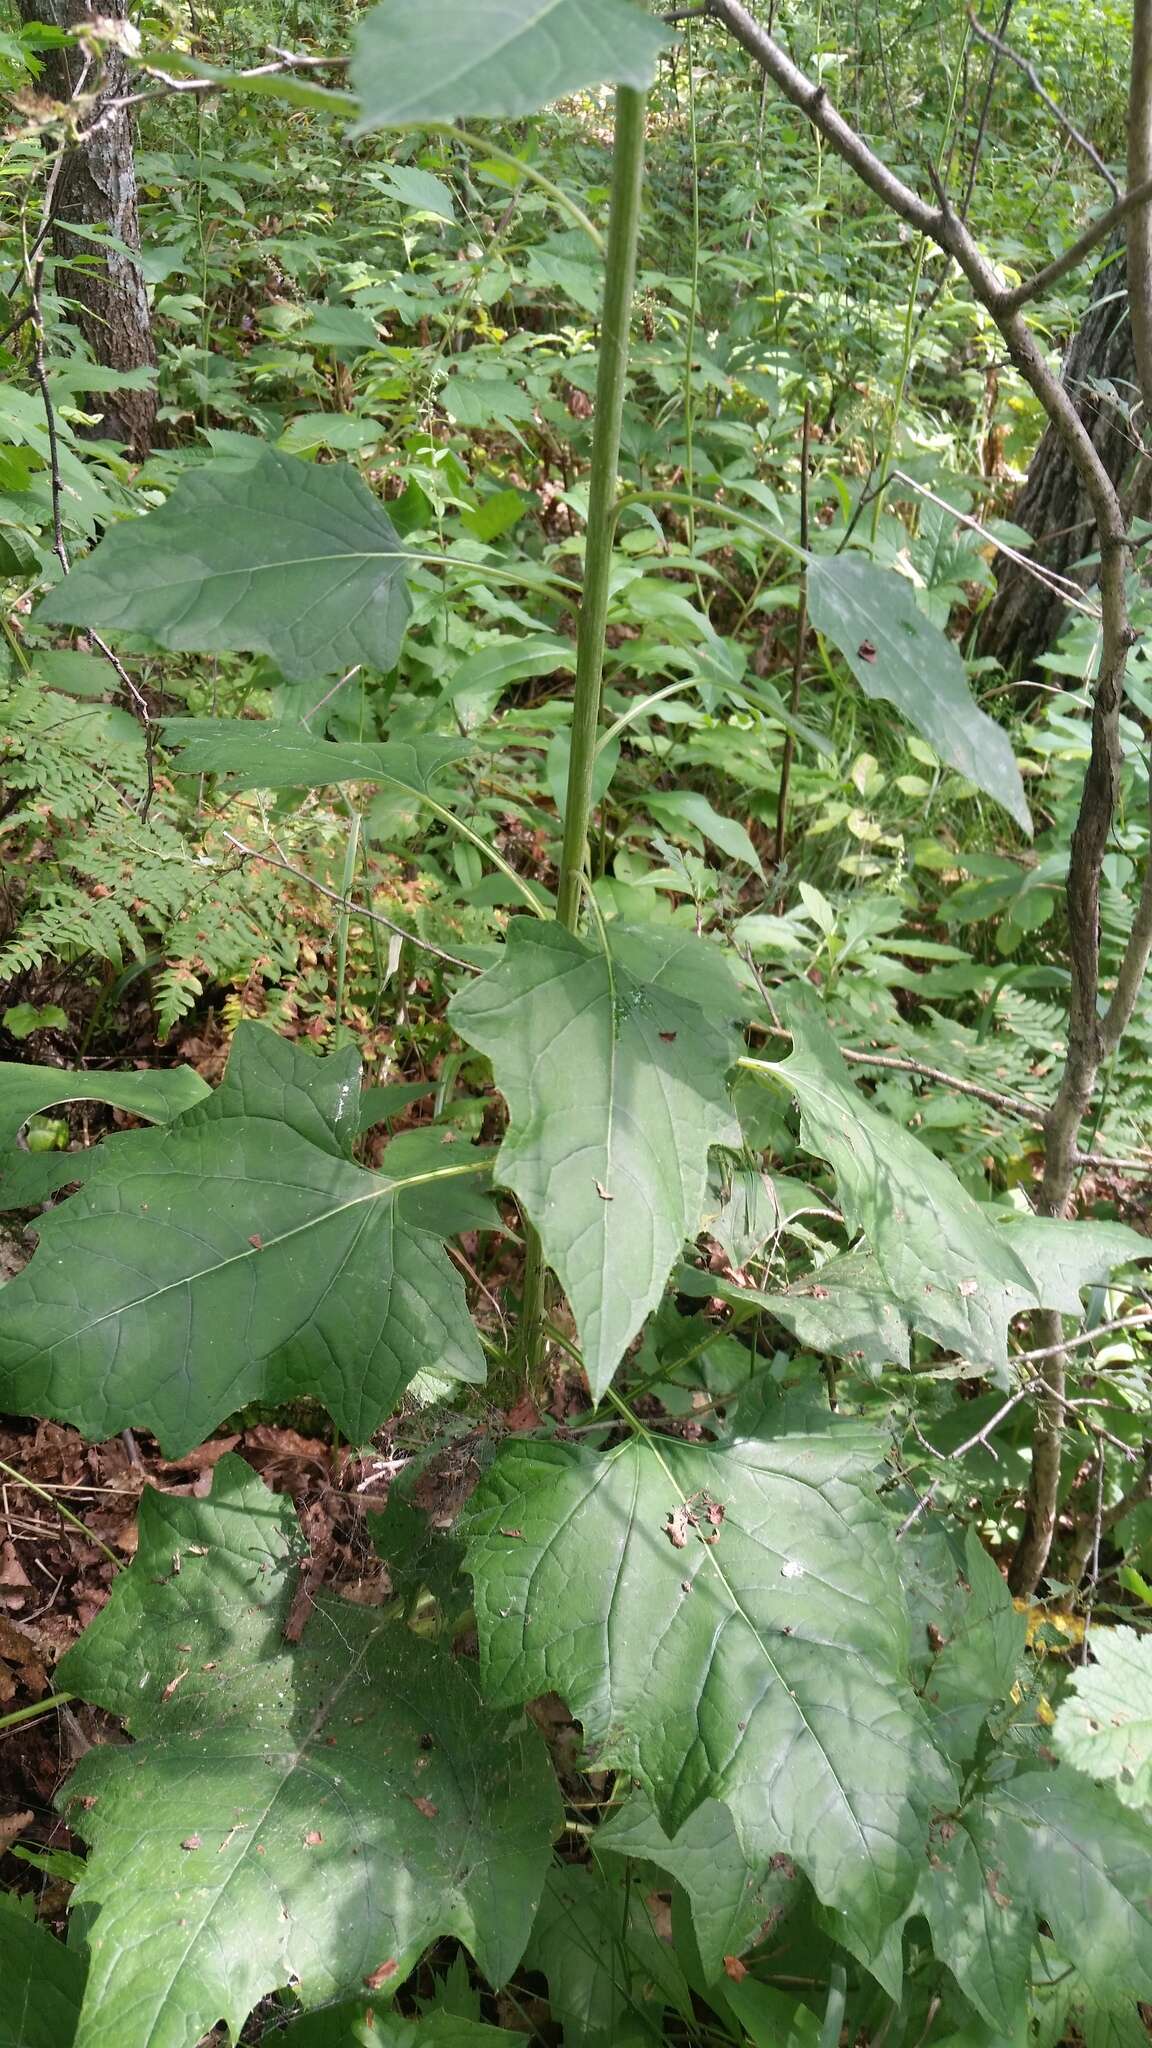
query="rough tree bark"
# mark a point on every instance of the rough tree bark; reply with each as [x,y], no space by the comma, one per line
[1025,618]
[97,189]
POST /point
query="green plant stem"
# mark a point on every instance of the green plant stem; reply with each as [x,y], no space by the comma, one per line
[801,647]
[555,192]
[64,1513]
[731,513]
[345,918]
[35,1712]
[834,2008]
[15,647]
[623,236]
[690,336]
[910,324]
[533,1303]
[619,285]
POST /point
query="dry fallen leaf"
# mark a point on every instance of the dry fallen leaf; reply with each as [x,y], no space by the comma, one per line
[13,1825]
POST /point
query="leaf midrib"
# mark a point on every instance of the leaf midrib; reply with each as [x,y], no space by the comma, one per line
[375,1194]
[354,1672]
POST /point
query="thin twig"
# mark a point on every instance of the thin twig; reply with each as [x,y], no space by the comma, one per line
[1088,1539]
[1137,1322]
[985,35]
[1069,593]
[1033,1385]
[801,643]
[993,1422]
[1012,1105]
[1140,225]
[1060,267]
[275,860]
[1074,1405]
[985,110]
[330,693]
[1094,1573]
[17,1478]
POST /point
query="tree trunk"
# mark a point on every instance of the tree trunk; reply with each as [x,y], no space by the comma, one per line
[97,189]
[1025,618]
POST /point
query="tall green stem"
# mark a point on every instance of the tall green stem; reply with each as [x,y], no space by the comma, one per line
[611,380]
[620,279]
[690,336]
[901,391]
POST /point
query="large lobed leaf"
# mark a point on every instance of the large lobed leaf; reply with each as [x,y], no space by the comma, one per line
[366,2023]
[1044,1846]
[41,1981]
[1104,1725]
[314,1812]
[274,556]
[755,1656]
[733,1904]
[977,1646]
[610,1976]
[264,756]
[847,1308]
[615,1083]
[238,1255]
[939,1253]
[938,1259]
[896,654]
[494,58]
[28,1178]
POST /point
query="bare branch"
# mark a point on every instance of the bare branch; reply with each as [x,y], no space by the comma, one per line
[1002,49]
[400,931]
[1142,1321]
[1011,1105]
[1087,1539]
[944,227]
[1098,231]
[1069,593]
[1139,171]
[985,110]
